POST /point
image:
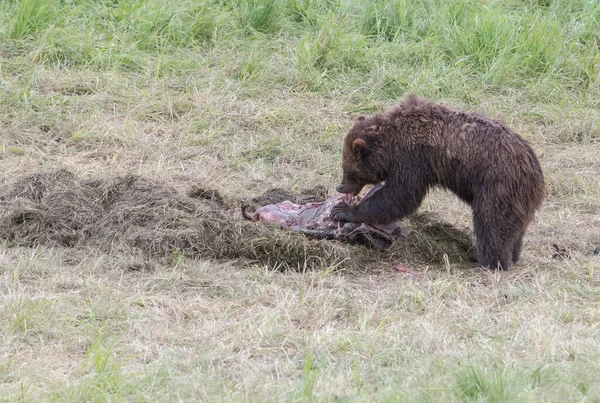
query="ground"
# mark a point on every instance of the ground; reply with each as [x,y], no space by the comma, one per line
[245,96]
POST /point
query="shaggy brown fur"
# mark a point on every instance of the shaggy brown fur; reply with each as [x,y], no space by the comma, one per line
[419,144]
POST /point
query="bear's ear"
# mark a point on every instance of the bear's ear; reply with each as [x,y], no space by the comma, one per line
[361,118]
[360,148]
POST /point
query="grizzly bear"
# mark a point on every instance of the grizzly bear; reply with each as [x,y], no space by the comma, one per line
[419,144]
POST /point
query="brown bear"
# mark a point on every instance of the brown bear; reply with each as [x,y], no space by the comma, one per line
[419,144]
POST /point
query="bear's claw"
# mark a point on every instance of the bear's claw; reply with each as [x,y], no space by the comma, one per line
[342,212]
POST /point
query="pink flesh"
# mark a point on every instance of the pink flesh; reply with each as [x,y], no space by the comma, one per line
[278,212]
[314,219]
[311,215]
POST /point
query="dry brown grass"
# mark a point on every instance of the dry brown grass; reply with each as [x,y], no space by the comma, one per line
[132,215]
[105,317]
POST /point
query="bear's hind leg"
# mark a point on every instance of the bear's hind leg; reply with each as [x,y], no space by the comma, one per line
[494,242]
[497,257]
[518,247]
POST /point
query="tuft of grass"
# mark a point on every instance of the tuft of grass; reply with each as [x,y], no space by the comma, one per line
[387,20]
[159,25]
[479,384]
[102,378]
[310,376]
[261,16]
[329,50]
[305,12]
[32,16]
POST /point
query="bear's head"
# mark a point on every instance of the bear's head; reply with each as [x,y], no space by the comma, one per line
[359,159]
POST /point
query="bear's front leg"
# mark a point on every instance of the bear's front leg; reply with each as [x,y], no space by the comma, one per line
[398,198]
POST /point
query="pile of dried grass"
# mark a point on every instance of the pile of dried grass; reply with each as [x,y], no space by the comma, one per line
[132,213]
[57,209]
[429,239]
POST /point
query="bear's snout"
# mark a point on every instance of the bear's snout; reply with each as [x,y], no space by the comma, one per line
[345,188]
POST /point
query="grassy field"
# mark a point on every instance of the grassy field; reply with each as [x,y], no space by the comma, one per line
[242,96]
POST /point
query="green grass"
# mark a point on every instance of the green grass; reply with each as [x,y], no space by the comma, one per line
[242,96]
[32,16]
[328,47]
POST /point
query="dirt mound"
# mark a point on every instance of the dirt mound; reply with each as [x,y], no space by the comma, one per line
[131,212]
